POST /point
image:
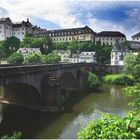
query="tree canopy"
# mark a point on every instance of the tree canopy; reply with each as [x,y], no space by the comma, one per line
[9,46]
[132,65]
[15,58]
[45,43]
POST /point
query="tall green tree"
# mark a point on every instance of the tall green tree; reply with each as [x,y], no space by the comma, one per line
[15,58]
[45,44]
[103,52]
[129,62]
[132,65]
[10,45]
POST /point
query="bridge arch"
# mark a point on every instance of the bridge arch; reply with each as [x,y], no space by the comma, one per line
[67,80]
[21,93]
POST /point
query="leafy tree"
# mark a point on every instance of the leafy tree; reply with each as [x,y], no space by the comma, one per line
[15,58]
[61,46]
[9,46]
[74,46]
[45,44]
[129,62]
[103,52]
[2,52]
[132,65]
[52,58]
[34,58]
[93,81]
[86,46]
[46,41]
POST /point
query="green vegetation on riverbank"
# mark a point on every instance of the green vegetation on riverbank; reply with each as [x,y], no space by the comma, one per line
[108,127]
[33,58]
[93,81]
[15,135]
[112,127]
[122,79]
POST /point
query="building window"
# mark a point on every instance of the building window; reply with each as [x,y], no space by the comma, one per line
[23,33]
[137,38]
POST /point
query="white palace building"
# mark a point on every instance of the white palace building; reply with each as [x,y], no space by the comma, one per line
[18,29]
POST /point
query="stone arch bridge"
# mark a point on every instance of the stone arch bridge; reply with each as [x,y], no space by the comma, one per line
[40,86]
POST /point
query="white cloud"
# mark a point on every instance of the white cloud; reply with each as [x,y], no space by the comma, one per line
[50,10]
[63,13]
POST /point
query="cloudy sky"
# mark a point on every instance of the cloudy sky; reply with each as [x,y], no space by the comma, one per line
[102,15]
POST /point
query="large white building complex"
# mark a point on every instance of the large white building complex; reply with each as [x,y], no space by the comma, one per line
[9,29]
[117,53]
[18,29]
[68,35]
[109,37]
[136,37]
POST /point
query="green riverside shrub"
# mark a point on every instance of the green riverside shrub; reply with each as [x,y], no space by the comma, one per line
[93,81]
[122,79]
[108,127]
[15,135]
[33,58]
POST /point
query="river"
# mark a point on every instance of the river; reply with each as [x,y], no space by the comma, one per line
[63,125]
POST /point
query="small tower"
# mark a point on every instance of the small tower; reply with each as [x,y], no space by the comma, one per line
[27,19]
[118,53]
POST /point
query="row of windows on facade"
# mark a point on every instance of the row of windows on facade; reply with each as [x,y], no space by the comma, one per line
[15,29]
[62,39]
[67,33]
[26,51]
[119,39]
[136,38]
[13,33]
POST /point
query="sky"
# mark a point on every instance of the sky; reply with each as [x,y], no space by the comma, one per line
[111,15]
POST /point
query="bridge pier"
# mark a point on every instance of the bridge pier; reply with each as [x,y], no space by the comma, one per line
[82,77]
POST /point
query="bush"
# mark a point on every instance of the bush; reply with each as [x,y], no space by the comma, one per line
[93,81]
[108,127]
[15,58]
[121,79]
[15,135]
[52,58]
[34,58]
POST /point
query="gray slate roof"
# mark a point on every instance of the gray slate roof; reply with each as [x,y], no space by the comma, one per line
[136,35]
[110,34]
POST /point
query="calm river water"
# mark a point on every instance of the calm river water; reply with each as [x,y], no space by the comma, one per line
[63,125]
